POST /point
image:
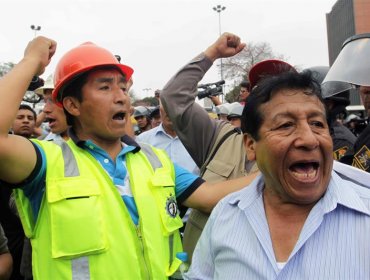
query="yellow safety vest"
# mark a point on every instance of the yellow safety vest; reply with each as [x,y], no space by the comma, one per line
[84,230]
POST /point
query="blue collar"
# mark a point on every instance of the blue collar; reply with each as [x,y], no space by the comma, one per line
[125,139]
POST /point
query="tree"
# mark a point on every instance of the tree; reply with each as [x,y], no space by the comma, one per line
[236,68]
[132,95]
[147,101]
[5,67]
[233,95]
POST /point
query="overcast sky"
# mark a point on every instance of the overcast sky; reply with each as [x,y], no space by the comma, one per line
[157,37]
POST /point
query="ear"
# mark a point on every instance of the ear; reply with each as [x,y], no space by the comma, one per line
[72,105]
[250,147]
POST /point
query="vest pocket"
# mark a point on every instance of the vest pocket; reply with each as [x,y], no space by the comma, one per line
[165,197]
[76,220]
[219,169]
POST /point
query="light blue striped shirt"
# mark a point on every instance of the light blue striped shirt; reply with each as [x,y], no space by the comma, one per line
[334,242]
[173,146]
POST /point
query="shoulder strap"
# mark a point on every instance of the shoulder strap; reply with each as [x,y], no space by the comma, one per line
[151,155]
[222,140]
[71,168]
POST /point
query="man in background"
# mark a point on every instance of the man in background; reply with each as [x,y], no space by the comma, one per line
[352,66]
[53,113]
[244,92]
[164,137]
[141,115]
[25,122]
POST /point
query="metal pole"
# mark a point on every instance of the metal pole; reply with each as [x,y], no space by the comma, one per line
[35,28]
[221,64]
[219,9]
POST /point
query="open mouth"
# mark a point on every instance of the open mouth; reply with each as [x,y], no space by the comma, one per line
[119,116]
[304,170]
[51,121]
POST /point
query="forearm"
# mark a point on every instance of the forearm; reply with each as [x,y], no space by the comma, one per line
[13,85]
[40,119]
[12,89]
[208,195]
[191,122]
[6,265]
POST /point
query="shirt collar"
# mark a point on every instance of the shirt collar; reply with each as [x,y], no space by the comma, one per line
[160,130]
[339,192]
[345,193]
[125,139]
[249,195]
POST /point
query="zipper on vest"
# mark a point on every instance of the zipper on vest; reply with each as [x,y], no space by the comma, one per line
[145,265]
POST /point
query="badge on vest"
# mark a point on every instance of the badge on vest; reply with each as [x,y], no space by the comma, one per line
[362,158]
[171,206]
[340,152]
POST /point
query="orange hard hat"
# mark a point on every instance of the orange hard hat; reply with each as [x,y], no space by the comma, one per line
[81,59]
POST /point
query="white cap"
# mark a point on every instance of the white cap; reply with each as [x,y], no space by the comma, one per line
[49,84]
[235,110]
[223,109]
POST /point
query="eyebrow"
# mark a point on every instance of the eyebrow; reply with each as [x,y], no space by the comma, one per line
[291,115]
[25,115]
[109,80]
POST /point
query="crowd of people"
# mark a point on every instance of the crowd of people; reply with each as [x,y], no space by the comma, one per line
[260,188]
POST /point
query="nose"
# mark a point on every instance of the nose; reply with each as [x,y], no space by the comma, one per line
[25,120]
[120,95]
[306,138]
[48,107]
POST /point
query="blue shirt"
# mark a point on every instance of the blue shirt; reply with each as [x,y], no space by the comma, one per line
[185,182]
[334,242]
[173,146]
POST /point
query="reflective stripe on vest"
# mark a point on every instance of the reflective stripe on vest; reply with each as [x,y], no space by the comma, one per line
[156,163]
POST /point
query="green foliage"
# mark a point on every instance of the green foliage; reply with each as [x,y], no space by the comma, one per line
[147,101]
[5,67]
[233,95]
[236,68]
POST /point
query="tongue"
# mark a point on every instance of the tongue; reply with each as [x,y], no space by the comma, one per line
[303,167]
[304,171]
[117,117]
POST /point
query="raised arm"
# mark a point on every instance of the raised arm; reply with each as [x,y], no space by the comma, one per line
[192,123]
[17,155]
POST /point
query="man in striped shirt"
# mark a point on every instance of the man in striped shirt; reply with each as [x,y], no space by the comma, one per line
[299,219]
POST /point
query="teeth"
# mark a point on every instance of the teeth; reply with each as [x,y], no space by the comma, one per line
[308,175]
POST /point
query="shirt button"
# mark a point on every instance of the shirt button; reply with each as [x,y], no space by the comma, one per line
[91,147]
[106,160]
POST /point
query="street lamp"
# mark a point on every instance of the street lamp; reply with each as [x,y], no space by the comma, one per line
[30,95]
[219,9]
[35,28]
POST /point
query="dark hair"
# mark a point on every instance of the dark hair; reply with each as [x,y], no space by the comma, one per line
[74,88]
[252,118]
[26,107]
[245,84]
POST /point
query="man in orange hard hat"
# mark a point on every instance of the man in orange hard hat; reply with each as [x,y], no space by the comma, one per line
[97,206]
